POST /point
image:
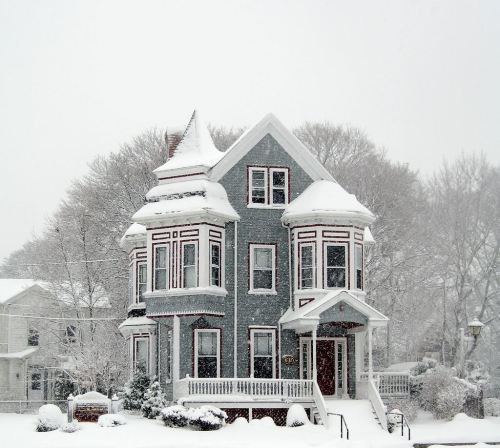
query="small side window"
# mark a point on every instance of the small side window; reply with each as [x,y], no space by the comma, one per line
[33,337]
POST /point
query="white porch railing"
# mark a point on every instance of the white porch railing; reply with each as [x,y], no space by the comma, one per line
[390,384]
[320,404]
[377,403]
[252,387]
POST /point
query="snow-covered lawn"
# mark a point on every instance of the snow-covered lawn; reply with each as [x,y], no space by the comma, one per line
[17,431]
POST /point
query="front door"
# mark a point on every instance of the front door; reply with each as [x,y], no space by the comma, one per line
[331,364]
[326,366]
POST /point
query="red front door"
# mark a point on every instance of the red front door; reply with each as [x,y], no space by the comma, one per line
[326,366]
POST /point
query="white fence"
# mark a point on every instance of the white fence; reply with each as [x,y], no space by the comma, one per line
[391,384]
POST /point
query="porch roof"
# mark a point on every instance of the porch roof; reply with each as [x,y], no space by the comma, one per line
[309,315]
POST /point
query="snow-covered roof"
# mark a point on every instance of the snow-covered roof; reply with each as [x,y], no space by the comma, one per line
[325,198]
[189,198]
[196,149]
[19,355]
[138,321]
[136,233]
[310,314]
[11,287]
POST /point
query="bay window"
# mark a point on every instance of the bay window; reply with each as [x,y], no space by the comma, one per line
[141,281]
[215,263]
[207,353]
[262,268]
[262,359]
[335,266]
[141,353]
[358,266]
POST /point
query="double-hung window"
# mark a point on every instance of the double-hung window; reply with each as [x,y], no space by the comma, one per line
[161,271]
[207,353]
[189,274]
[215,263]
[263,268]
[33,337]
[141,281]
[263,349]
[358,265]
[36,381]
[306,266]
[268,187]
[141,353]
[335,266]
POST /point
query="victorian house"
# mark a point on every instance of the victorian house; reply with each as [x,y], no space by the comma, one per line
[247,281]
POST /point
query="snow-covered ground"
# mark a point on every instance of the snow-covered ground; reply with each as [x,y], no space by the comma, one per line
[18,431]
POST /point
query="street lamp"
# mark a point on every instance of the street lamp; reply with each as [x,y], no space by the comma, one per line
[474,328]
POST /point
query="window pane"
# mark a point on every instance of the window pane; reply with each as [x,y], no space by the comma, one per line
[141,353]
[215,274]
[278,179]
[258,196]
[36,381]
[359,279]
[262,279]
[33,338]
[335,256]
[215,254]
[189,254]
[263,344]
[263,258]
[189,277]
[358,256]
[278,196]
[207,367]
[160,258]
[306,279]
[263,367]
[258,179]
[207,343]
[335,277]
[142,273]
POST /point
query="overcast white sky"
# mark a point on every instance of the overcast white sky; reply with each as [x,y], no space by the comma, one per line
[77,78]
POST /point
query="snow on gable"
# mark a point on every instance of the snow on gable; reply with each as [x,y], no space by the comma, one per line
[135,234]
[291,144]
[12,287]
[195,150]
[189,198]
[324,198]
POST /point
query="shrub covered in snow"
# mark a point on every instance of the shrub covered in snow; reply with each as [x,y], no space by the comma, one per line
[109,420]
[394,420]
[296,416]
[71,426]
[154,401]
[174,416]
[206,418]
[408,407]
[423,366]
[134,390]
[49,418]
[476,373]
[492,407]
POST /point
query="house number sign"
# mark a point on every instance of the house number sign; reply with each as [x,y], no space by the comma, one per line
[289,359]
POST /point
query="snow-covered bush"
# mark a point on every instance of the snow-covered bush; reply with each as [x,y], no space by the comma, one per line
[394,420]
[174,416]
[266,422]
[134,390]
[71,426]
[423,366]
[408,407]
[109,420]
[492,407]
[154,401]
[441,393]
[476,373]
[206,418]
[49,418]
[240,421]
[296,416]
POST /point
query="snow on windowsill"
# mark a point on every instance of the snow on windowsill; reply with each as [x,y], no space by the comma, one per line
[211,290]
[268,206]
[262,292]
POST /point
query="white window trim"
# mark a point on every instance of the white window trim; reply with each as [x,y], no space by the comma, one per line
[206,330]
[211,265]
[196,263]
[260,291]
[137,339]
[299,261]
[345,267]
[252,354]
[167,270]
[271,187]
[138,269]
[251,170]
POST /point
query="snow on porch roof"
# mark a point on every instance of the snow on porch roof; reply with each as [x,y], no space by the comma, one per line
[311,313]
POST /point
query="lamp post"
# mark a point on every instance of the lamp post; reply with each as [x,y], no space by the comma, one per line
[474,328]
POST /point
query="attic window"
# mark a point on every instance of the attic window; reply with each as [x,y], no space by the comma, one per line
[268,186]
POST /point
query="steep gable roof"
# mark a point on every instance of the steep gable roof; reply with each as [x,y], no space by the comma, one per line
[291,144]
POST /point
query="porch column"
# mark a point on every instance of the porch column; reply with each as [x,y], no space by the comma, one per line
[370,359]
[176,348]
[313,354]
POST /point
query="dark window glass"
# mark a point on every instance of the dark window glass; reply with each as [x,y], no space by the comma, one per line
[207,354]
[279,187]
[70,334]
[262,268]
[161,267]
[306,267]
[358,254]
[215,265]
[258,187]
[335,267]
[263,355]
[36,381]
[141,281]
[33,337]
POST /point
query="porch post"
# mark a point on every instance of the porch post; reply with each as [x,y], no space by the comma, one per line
[176,348]
[313,353]
[370,359]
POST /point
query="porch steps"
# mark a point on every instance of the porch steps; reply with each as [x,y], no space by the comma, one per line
[360,418]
